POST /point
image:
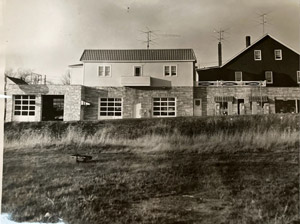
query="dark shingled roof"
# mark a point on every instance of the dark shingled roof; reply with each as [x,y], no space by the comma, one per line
[139,55]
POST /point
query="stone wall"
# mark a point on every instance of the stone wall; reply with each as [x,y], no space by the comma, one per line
[208,94]
[72,99]
[132,96]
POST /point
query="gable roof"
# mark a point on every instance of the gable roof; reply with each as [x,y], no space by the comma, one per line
[139,55]
[255,42]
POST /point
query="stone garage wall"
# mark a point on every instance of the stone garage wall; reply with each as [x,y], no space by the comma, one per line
[132,96]
[72,99]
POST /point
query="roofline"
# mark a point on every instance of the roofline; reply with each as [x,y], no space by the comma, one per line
[128,61]
[133,49]
[138,50]
[206,68]
[75,65]
[254,44]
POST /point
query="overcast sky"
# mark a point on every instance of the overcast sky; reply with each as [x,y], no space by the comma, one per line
[49,35]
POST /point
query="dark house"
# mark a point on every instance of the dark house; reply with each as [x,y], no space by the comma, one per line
[266,59]
[262,78]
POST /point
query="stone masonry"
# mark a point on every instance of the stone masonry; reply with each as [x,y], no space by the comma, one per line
[72,99]
[132,96]
[207,94]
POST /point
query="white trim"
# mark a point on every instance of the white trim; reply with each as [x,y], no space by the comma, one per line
[298,77]
[138,66]
[280,54]
[255,43]
[170,70]
[271,73]
[104,70]
[260,56]
[235,74]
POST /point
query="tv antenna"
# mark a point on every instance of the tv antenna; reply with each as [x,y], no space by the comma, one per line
[263,22]
[150,34]
[220,33]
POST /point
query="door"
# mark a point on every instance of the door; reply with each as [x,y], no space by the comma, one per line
[197,107]
[241,106]
[137,110]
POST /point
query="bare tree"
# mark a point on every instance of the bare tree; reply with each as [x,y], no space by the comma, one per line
[26,75]
[66,78]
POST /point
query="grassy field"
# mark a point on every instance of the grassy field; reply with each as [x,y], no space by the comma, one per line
[180,170]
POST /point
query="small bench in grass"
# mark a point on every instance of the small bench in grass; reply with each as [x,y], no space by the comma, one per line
[82,158]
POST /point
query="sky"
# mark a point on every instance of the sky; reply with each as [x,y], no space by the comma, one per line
[48,35]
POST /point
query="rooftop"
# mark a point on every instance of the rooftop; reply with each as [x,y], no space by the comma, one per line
[139,55]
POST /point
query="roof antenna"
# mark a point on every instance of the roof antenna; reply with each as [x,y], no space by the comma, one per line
[156,33]
[264,21]
[220,38]
[149,35]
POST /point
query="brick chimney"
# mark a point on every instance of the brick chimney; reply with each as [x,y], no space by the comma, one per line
[248,41]
[220,54]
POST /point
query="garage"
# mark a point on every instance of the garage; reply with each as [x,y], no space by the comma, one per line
[53,108]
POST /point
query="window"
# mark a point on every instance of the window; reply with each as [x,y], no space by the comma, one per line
[170,70]
[24,105]
[164,107]
[104,70]
[257,55]
[298,77]
[137,70]
[110,107]
[278,54]
[269,77]
[238,76]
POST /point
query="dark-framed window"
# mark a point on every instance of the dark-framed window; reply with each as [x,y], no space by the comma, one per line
[164,107]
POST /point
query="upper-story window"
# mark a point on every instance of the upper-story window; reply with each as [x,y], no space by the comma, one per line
[104,70]
[170,70]
[137,70]
[238,76]
[257,55]
[298,77]
[269,77]
[278,54]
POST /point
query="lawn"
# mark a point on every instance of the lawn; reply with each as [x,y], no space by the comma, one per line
[181,170]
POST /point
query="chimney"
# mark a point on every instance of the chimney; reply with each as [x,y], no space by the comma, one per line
[220,54]
[248,41]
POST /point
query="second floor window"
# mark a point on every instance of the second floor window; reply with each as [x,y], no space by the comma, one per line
[278,54]
[137,70]
[104,70]
[170,70]
[257,55]
[298,77]
[269,77]
[238,76]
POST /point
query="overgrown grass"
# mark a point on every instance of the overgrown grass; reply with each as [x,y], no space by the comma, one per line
[182,170]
